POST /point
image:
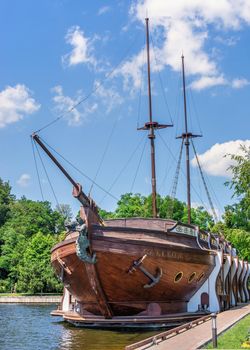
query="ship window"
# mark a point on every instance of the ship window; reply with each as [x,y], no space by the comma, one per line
[178,277]
[200,277]
[191,277]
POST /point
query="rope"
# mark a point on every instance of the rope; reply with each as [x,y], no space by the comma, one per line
[138,166]
[91,92]
[161,83]
[175,183]
[195,111]
[204,183]
[37,172]
[103,155]
[52,189]
[183,172]
[124,167]
[82,173]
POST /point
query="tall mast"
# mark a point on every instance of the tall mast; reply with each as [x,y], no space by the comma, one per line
[152,133]
[151,126]
[186,136]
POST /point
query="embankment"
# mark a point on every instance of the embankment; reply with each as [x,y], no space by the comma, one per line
[31,299]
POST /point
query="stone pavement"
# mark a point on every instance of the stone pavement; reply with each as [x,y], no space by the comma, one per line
[197,336]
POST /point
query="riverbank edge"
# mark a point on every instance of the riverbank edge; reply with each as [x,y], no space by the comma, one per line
[31,299]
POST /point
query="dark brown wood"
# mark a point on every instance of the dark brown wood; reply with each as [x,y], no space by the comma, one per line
[77,189]
[124,292]
[151,134]
[186,142]
[89,218]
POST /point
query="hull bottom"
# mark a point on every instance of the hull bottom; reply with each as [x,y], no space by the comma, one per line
[128,322]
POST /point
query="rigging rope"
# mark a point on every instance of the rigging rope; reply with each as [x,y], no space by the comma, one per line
[193,188]
[175,183]
[82,173]
[161,83]
[176,178]
[101,84]
[204,183]
[52,189]
[37,172]
[125,166]
[103,155]
[138,166]
[177,103]
[195,111]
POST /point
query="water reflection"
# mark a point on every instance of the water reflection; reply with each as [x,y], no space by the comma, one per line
[30,327]
[96,339]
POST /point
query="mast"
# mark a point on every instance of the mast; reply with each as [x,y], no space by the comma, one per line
[151,126]
[151,134]
[186,136]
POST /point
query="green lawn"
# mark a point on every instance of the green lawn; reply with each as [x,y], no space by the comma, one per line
[234,337]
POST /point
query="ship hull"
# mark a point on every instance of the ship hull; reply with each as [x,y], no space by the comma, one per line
[177,264]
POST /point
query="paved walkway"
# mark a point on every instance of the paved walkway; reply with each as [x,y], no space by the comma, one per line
[196,337]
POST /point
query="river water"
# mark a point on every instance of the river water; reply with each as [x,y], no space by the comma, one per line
[30,327]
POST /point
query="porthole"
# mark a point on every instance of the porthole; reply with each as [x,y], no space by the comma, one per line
[200,277]
[191,277]
[178,277]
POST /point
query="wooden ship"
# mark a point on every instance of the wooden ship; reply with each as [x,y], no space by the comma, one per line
[141,271]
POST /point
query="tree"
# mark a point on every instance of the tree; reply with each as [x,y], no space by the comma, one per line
[30,217]
[29,224]
[238,214]
[5,199]
[35,272]
[136,205]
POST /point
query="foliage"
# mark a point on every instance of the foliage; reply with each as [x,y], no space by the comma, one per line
[234,337]
[5,199]
[238,215]
[136,205]
[28,232]
[34,272]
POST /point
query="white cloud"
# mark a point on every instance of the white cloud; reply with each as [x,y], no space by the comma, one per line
[24,180]
[108,97]
[185,26]
[64,104]
[103,10]
[214,162]
[231,41]
[240,83]
[15,103]
[207,82]
[82,48]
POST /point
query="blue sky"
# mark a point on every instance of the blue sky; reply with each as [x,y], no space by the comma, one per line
[54,53]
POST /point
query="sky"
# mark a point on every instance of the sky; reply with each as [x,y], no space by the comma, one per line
[76,71]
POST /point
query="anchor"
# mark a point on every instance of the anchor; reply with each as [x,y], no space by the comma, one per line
[137,264]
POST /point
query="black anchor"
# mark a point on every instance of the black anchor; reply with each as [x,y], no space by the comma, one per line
[137,264]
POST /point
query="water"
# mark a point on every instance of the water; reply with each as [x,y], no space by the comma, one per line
[30,327]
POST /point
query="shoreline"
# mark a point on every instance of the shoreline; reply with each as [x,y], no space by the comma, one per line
[31,299]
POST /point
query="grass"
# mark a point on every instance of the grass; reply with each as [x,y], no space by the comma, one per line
[234,337]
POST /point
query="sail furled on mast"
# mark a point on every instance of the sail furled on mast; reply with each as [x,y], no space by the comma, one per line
[151,126]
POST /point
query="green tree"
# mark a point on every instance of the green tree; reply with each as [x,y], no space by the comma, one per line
[35,271]
[26,220]
[238,214]
[136,205]
[5,199]
[30,217]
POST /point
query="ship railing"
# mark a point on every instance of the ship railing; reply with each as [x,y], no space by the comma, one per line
[156,339]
